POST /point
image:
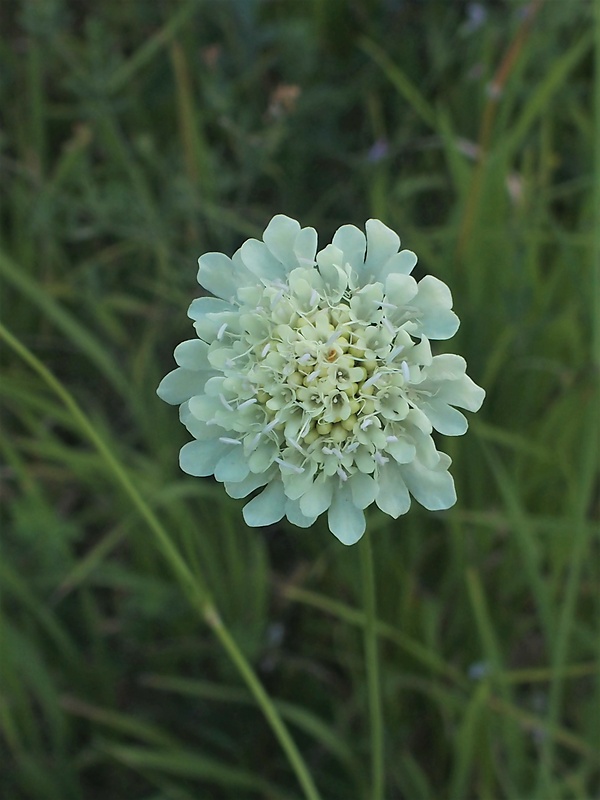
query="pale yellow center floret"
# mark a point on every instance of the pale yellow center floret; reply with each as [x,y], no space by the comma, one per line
[332,378]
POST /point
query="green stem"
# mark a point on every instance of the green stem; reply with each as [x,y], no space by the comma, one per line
[195,590]
[372,664]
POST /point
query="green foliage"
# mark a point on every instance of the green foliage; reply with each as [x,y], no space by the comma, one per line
[139,135]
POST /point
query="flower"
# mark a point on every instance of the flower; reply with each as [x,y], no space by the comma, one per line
[312,376]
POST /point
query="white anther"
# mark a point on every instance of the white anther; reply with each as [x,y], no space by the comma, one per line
[384,304]
[305,358]
[389,325]
[342,475]
[391,438]
[380,459]
[291,467]
[221,331]
[247,403]
[372,380]
[265,350]
[352,447]
[335,335]
[268,428]
[225,403]
[255,440]
[312,376]
[296,446]
[365,424]
[395,352]
[314,296]
[405,371]
[227,440]
[327,450]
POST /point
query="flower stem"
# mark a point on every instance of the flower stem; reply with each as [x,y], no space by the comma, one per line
[192,584]
[372,665]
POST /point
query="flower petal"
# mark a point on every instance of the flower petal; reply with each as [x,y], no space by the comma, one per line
[182,384]
[345,520]
[221,275]
[305,247]
[318,498]
[280,237]
[267,508]
[243,488]
[382,244]
[402,262]
[261,262]
[364,489]
[295,515]
[353,244]
[393,497]
[232,466]
[192,355]
[432,488]
[208,305]
[200,458]
[445,419]
[434,301]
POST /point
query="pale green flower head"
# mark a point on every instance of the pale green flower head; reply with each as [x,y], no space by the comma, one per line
[312,379]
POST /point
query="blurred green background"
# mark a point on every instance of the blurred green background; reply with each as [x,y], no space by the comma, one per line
[136,136]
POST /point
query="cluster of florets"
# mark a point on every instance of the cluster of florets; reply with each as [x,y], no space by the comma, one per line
[313,376]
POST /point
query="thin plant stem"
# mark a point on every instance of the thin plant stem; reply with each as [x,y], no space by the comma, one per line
[194,588]
[372,665]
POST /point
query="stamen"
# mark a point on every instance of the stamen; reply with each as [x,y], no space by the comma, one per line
[352,447]
[337,452]
[268,428]
[225,403]
[383,304]
[296,446]
[389,325]
[291,467]
[365,424]
[247,403]
[335,335]
[372,380]
[342,475]
[327,450]
[380,459]
[313,297]
[391,438]
[305,358]
[227,440]
[265,350]
[405,371]
[221,331]
[254,442]
[395,352]
[312,376]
